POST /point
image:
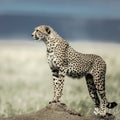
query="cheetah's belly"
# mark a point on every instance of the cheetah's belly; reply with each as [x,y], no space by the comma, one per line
[77,70]
[75,74]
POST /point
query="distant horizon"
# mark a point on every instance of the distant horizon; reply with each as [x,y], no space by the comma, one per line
[89,19]
[32,41]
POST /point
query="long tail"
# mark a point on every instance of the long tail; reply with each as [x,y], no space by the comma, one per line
[111,105]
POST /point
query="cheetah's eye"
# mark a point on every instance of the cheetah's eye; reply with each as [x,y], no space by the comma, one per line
[47,30]
[37,30]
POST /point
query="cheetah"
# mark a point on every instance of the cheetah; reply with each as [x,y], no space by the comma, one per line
[64,60]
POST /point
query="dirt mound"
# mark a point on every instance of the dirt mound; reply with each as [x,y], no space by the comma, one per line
[56,112]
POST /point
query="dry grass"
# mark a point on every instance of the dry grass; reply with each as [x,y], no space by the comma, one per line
[26,81]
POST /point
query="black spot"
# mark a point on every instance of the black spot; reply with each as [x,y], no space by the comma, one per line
[55,73]
[48,30]
[89,76]
[55,70]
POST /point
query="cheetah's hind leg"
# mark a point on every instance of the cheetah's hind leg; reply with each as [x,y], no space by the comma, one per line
[93,92]
[99,81]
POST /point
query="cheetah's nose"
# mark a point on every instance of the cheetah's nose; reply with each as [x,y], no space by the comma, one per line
[32,35]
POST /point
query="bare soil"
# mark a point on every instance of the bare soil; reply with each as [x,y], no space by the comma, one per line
[57,111]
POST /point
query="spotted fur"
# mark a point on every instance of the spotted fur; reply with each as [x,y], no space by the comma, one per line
[64,60]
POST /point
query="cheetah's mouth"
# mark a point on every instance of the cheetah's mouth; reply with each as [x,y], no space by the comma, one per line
[36,38]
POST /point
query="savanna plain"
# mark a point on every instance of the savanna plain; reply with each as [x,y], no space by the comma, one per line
[26,80]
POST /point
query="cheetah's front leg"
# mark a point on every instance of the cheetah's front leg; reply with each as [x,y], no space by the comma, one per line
[58,82]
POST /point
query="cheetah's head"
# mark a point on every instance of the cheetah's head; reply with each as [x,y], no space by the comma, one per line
[43,32]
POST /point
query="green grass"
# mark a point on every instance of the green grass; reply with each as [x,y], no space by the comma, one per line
[26,81]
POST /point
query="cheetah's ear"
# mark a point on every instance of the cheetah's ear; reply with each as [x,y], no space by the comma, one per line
[48,30]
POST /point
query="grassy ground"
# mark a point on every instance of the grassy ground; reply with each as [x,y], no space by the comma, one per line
[26,81]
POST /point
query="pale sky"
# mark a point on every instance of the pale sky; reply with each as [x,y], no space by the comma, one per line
[81,8]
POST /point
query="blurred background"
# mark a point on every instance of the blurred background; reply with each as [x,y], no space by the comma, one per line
[97,20]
